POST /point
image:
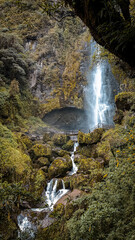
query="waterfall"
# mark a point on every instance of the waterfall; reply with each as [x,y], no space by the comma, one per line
[100,91]
[27,229]
[74,167]
[52,195]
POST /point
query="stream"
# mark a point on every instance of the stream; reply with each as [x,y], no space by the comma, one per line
[52,195]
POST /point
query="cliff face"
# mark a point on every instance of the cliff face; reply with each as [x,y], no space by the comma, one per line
[55,52]
[42,68]
[59,57]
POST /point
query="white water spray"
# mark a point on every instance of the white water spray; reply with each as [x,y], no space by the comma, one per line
[52,195]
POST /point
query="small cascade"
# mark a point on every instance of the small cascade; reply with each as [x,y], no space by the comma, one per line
[74,167]
[52,195]
[27,229]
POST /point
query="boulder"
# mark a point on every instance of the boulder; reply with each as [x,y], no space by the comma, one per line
[60,139]
[124,100]
[87,165]
[40,150]
[60,166]
[47,137]
[90,138]
[68,146]
[43,161]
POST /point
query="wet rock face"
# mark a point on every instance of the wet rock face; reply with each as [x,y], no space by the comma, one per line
[68,118]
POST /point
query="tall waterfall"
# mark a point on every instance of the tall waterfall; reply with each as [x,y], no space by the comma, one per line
[100,91]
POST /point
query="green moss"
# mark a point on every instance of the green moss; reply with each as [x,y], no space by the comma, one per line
[40,150]
[59,167]
[87,165]
[124,100]
[60,139]
[58,211]
[68,146]
[90,138]
[39,183]
[13,160]
[43,161]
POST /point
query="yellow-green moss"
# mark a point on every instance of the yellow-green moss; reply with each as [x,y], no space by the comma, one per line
[41,150]
[87,165]
[68,146]
[60,139]
[13,160]
[90,138]
[124,100]
[59,167]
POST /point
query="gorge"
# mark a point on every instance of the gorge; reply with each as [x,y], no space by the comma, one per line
[67,124]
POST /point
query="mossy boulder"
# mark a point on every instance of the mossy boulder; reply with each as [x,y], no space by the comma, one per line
[43,161]
[88,150]
[87,165]
[60,166]
[60,139]
[104,151]
[47,137]
[40,150]
[58,211]
[115,137]
[78,181]
[68,146]
[90,138]
[62,153]
[124,100]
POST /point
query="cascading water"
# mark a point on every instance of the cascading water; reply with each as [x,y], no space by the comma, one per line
[52,195]
[100,91]
[27,229]
[74,167]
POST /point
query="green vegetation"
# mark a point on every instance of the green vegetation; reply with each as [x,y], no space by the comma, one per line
[40,62]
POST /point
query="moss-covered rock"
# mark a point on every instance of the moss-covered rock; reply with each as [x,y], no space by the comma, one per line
[104,151]
[87,165]
[40,150]
[47,137]
[68,146]
[43,161]
[78,181]
[60,139]
[60,166]
[124,100]
[115,137]
[58,211]
[90,138]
